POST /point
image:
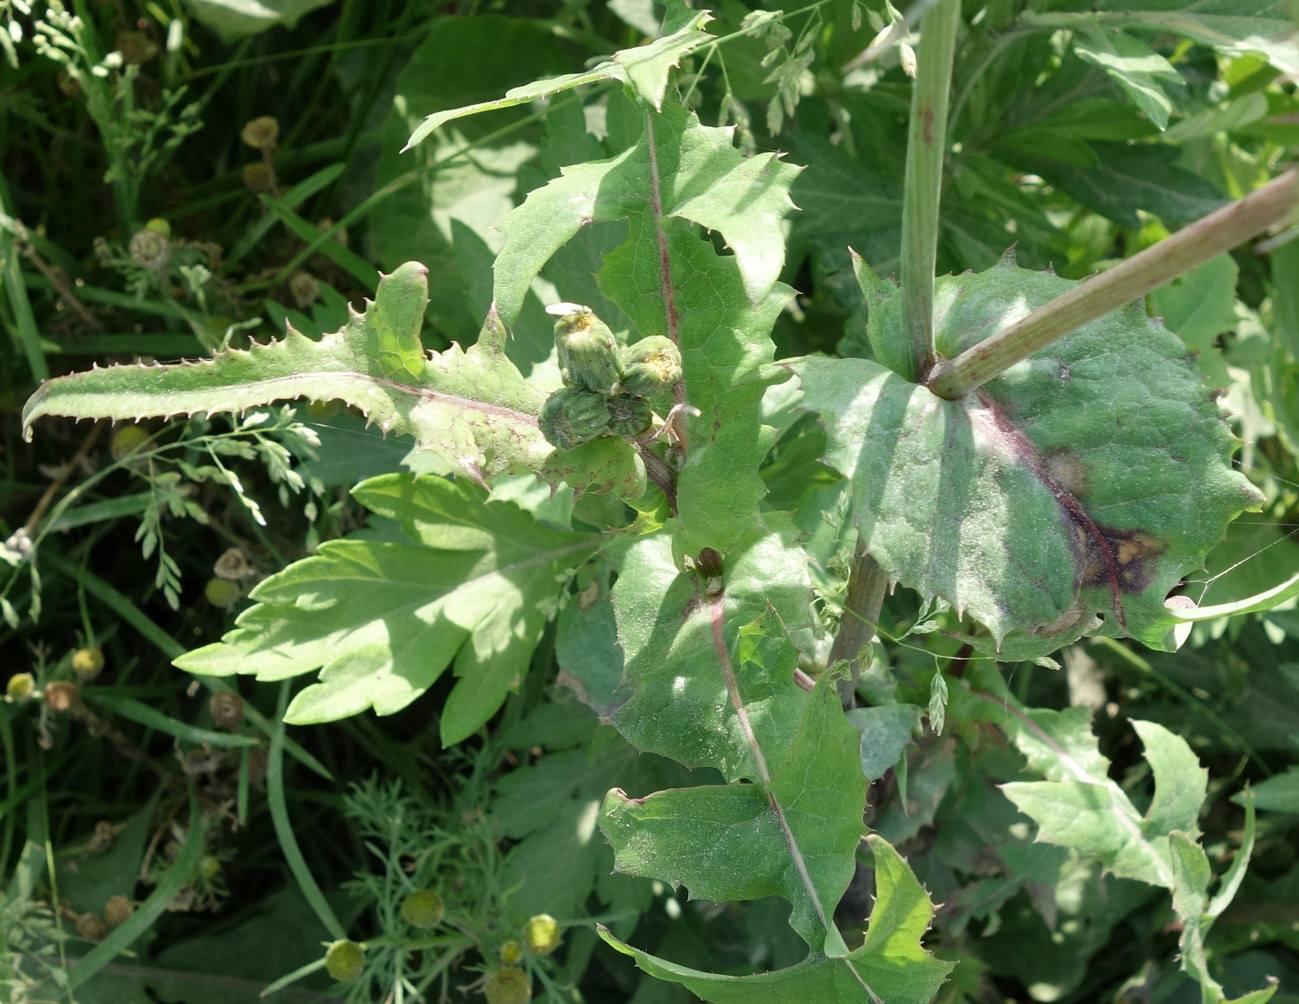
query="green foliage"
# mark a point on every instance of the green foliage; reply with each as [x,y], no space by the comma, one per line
[752,635]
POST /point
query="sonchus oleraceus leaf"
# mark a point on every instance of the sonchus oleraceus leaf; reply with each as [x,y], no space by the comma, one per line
[708,680]
[470,407]
[473,587]
[1083,483]
[891,967]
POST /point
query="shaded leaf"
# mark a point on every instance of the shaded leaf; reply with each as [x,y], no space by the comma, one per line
[1130,178]
[885,733]
[644,68]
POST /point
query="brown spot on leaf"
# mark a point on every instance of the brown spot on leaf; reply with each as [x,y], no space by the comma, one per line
[1125,559]
[1065,468]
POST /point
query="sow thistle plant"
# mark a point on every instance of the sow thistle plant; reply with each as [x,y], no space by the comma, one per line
[1035,458]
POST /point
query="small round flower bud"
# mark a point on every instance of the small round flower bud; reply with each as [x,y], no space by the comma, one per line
[227,709]
[508,986]
[209,866]
[221,592]
[651,365]
[629,416]
[258,178]
[344,960]
[423,908]
[261,133]
[572,416]
[117,909]
[87,662]
[91,927]
[60,696]
[127,439]
[159,226]
[541,934]
[511,953]
[21,686]
[588,352]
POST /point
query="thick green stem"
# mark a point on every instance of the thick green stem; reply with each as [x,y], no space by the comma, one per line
[926,148]
[1097,296]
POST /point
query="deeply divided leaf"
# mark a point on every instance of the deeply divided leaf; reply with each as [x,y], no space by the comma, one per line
[472,587]
[472,408]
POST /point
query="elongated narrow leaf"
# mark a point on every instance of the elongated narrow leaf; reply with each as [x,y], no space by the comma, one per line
[472,408]
[644,68]
[474,585]
[1084,483]
[890,968]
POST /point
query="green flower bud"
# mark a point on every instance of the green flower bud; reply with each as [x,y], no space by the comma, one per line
[629,416]
[344,960]
[423,908]
[508,986]
[651,365]
[21,686]
[572,416]
[541,934]
[588,352]
[511,953]
[221,592]
[87,662]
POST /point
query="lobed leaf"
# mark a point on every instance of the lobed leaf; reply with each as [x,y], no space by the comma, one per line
[472,408]
[891,967]
[708,681]
[472,587]
[1083,483]
[1084,809]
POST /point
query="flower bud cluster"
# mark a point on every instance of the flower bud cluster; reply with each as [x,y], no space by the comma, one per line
[606,388]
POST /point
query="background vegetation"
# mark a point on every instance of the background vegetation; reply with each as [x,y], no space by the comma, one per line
[179,178]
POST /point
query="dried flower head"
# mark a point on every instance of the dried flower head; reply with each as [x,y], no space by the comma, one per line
[261,133]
